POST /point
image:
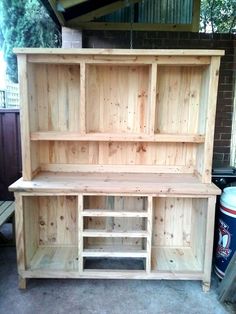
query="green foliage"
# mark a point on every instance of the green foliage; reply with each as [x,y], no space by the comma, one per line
[25,23]
[218,16]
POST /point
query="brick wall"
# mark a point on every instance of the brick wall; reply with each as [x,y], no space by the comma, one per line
[178,40]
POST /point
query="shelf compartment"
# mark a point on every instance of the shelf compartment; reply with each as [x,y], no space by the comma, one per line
[178,233]
[113,213]
[113,251]
[180,99]
[104,137]
[55,259]
[114,264]
[50,231]
[174,260]
[117,98]
[114,234]
[54,97]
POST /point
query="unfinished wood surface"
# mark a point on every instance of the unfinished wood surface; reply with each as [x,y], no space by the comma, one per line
[227,286]
[178,99]
[210,118]
[57,89]
[124,90]
[31,227]
[57,220]
[209,242]
[55,258]
[117,150]
[126,157]
[119,183]
[20,236]
[111,137]
[123,52]
[198,229]
[24,117]
[177,259]
[172,222]
[6,210]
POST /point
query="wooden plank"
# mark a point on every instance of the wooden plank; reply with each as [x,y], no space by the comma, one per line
[149,231]
[6,210]
[73,136]
[115,253]
[227,286]
[24,116]
[55,259]
[82,118]
[114,234]
[210,118]
[19,223]
[53,4]
[93,14]
[116,168]
[196,15]
[174,259]
[73,59]
[114,274]
[112,213]
[80,208]
[122,52]
[209,243]
[109,183]
[58,220]
[127,26]
[70,3]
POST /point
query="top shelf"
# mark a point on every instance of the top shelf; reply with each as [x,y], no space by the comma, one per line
[121,52]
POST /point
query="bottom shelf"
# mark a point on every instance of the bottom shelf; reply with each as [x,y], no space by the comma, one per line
[174,259]
[163,259]
[55,258]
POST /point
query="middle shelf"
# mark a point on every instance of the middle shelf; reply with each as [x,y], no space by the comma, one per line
[116,137]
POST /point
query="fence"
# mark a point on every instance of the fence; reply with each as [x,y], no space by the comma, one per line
[10,150]
[9,98]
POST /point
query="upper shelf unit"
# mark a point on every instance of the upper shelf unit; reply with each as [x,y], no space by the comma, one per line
[164,99]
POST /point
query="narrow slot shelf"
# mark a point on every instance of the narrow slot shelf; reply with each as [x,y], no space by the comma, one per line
[55,259]
[113,213]
[174,259]
[113,137]
[114,234]
[111,251]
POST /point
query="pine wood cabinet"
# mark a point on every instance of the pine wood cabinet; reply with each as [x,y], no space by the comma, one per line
[117,155]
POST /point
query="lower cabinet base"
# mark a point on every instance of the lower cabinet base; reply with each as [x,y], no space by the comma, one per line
[87,274]
[114,237]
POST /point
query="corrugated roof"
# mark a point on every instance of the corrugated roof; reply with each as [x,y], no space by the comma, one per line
[157,11]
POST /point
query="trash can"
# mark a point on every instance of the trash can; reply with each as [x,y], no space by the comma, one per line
[226,244]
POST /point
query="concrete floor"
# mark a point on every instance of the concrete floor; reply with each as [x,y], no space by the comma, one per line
[102,296]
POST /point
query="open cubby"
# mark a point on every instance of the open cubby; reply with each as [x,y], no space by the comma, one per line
[117,98]
[54,97]
[117,155]
[179,231]
[180,99]
[51,232]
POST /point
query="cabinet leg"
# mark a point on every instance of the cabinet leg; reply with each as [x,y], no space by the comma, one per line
[206,286]
[22,282]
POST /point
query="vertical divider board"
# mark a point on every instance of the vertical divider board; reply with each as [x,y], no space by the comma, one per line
[24,116]
[210,119]
[149,231]
[82,98]
[80,232]
[153,90]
